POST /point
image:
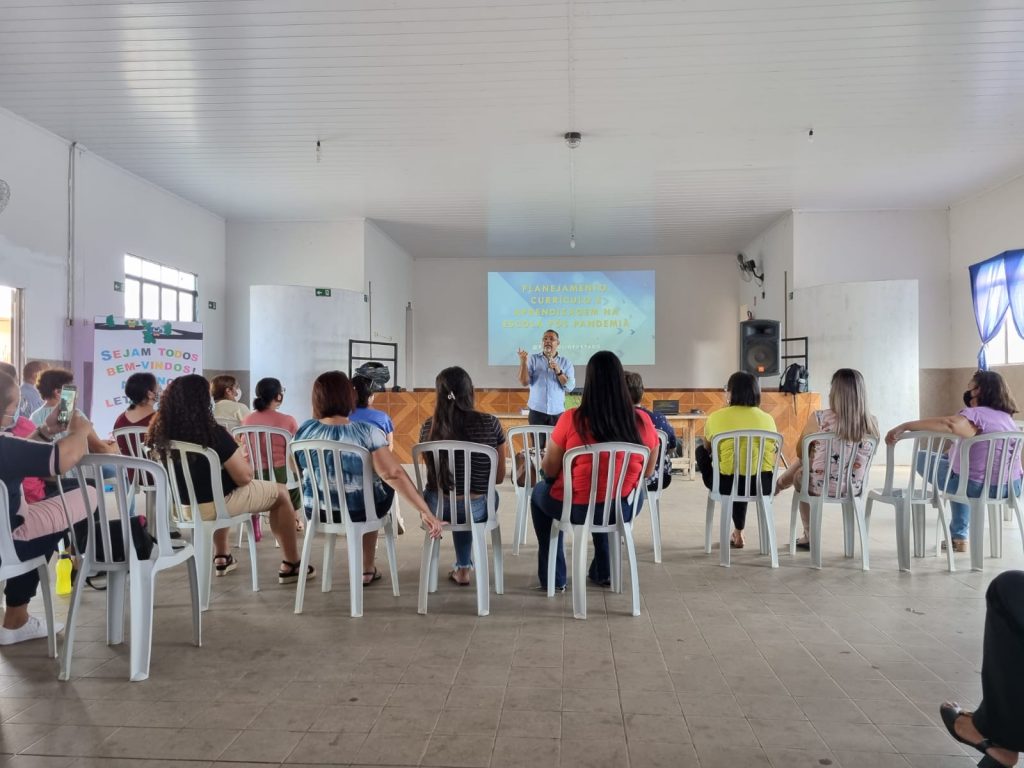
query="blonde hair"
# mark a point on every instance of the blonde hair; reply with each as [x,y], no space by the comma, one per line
[848,399]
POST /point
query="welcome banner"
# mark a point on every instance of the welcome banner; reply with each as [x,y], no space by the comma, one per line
[122,347]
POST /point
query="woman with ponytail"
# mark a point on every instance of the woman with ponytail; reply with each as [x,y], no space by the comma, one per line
[266,413]
[456,418]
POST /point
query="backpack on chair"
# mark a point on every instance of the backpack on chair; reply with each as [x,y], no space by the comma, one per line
[794,379]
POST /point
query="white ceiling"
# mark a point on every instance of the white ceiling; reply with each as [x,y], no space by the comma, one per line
[442,119]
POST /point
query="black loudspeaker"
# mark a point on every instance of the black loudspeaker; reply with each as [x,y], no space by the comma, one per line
[759,347]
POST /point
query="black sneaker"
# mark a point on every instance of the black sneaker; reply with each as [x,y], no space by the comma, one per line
[542,588]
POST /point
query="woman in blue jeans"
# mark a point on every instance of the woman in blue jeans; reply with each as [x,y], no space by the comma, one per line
[605,415]
[989,407]
[456,418]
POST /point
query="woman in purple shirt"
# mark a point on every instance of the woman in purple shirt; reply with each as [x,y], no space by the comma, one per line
[990,408]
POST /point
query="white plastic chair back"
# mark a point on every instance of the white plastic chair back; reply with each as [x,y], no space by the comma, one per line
[427,460]
[131,441]
[1002,456]
[185,514]
[654,496]
[525,444]
[909,499]
[837,488]
[11,565]
[330,515]
[752,450]
[117,506]
[608,519]
[259,443]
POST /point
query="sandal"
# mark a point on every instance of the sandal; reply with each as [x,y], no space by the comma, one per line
[950,714]
[373,575]
[452,577]
[226,565]
[292,574]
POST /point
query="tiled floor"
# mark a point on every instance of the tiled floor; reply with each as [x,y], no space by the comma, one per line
[725,667]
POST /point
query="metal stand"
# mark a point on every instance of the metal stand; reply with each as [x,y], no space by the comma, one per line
[391,357]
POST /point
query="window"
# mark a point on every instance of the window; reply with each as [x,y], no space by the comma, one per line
[1007,348]
[155,292]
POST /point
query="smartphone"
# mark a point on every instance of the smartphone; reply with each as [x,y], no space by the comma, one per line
[66,406]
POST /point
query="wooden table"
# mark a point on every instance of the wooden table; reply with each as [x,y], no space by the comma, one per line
[685,425]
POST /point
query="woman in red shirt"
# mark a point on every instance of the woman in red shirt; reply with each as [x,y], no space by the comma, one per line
[605,415]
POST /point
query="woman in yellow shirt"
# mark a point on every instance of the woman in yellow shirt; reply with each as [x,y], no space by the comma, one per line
[743,412]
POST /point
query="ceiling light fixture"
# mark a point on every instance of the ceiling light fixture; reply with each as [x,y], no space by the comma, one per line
[810,136]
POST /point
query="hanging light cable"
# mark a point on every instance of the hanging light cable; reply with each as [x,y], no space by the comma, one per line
[572,138]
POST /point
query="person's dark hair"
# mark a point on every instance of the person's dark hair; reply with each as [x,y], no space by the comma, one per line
[186,414]
[267,391]
[137,388]
[993,392]
[52,379]
[454,411]
[635,385]
[744,389]
[551,330]
[10,370]
[333,395]
[364,390]
[220,385]
[30,372]
[606,413]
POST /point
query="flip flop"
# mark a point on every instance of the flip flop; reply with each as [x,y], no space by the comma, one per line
[451,577]
[374,575]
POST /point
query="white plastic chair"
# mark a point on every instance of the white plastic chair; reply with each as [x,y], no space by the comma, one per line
[331,517]
[750,447]
[259,444]
[459,453]
[1000,478]
[11,565]
[654,497]
[596,521]
[186,516]
[134,440]
[525,443]
[910,500]
[139,574]
[833,492]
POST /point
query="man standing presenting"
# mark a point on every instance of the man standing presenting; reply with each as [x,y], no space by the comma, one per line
[549,376]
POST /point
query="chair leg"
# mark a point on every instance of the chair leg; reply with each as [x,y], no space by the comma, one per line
[709,518]
[116,582]
[202,542]
[903,526]
[307,549]
[355,570]
[919,527]
[724,553]
[941,524]
[51,627]
[519,532]
[767,525]
[579,572]
[143,583]
[977,537]
[253,559]
[634,576]
[426,557]
[1020,519]
[815,535]
[656,527]
[861,515]
[995,530]
[552,552]
[327,577]
[197,614]
[849,523]
[69,627]
[615,561]
[483,584]
[794,508]
[499,561]
[435,563]
[389,544]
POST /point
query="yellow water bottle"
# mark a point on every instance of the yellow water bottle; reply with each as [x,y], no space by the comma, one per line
[64,574]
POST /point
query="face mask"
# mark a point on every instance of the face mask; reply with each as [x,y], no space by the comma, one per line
[967,398]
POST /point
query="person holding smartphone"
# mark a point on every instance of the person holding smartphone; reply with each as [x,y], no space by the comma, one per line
[37,527]
[50,384]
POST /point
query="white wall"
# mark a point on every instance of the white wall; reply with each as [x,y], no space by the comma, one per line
[773,252]
[979,228]
[325,254]
[389,283]
[850,246]
[116,212]
[697,318]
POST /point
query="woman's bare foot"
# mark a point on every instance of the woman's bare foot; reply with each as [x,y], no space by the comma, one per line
[460,576]
[737,539]
[964,727]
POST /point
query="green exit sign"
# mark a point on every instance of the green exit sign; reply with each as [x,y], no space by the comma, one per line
[118,286]
[323,291]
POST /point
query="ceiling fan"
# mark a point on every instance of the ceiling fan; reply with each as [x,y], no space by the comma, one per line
[748,269]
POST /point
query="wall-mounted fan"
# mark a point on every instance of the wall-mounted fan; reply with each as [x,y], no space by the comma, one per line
[5,194]
[748,269]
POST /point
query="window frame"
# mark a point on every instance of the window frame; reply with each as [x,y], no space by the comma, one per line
[160,288]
